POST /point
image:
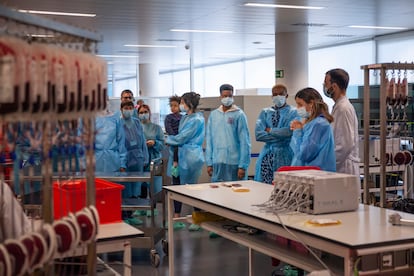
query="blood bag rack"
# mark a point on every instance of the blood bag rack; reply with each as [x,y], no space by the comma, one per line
[382,68]
[18,25]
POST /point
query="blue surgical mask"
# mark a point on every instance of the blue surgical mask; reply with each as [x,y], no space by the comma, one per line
[302,112]
[182,108]
[279,100]
[227,101]
[143,116]
[127,113]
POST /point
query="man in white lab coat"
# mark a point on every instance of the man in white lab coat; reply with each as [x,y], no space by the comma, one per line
[345,124]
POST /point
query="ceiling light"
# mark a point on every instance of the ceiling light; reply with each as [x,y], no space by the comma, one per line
[41,35]
[261,5]
[117,56]
[200,31]
[230,55]
[150,46]
[59,13]
[377,27]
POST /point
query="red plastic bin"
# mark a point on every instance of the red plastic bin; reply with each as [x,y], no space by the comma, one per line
[70,196]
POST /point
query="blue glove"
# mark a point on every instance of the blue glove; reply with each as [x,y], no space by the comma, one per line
[174,171]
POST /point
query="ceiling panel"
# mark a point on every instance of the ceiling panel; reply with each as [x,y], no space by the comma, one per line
[253,28]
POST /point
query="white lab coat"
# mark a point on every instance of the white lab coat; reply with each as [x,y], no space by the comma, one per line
[345,128]
[13,222]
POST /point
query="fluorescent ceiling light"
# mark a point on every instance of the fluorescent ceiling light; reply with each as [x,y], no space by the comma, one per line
[116,56]
[59,13]
[261,5]
[150,46]
[377,27]
[41,35]
[230,55]
[200,31]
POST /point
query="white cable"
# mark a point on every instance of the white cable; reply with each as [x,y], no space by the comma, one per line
[305,245]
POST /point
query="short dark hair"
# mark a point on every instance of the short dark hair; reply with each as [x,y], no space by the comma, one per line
[174,98]
[340,77]
[128,103]
[127,91]
[191,99]
[226,87]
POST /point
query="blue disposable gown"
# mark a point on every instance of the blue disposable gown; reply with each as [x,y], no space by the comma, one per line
[137,153]
[110,151]
[227,143]
[189,140]
[314,145]
[154,132]
[276,151]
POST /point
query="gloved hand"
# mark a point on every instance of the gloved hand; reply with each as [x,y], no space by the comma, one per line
[174,171]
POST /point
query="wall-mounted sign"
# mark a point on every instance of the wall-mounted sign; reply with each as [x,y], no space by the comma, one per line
[280,74]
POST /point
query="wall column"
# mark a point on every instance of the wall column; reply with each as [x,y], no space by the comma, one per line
[148,89]
[291,52]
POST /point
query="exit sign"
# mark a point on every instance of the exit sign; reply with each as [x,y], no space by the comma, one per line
[280,74]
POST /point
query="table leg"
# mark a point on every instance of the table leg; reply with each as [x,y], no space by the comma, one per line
[127,259]
[170,203]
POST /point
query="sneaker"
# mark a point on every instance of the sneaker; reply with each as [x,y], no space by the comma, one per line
[138,213]
[178,225]
[134,221]
[194,227]
[213,235]
[149,214]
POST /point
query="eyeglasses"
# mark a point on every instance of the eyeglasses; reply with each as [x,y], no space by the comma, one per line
[126,97]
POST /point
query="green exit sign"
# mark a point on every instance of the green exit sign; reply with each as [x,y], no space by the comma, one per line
[280,74]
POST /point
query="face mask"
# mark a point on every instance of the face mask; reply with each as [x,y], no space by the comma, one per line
[279,100]
[227,101]
[302,112]
[182,108]
[328,91]
[127,113]
[144,116]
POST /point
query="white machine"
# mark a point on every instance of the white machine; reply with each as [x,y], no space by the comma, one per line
[316,192]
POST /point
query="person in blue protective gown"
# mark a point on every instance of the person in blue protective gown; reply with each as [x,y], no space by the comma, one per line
[189,140]
[135,142]
[154,136]
[313,141]
[273,128]
[137,157]
[227,140]
[110,150]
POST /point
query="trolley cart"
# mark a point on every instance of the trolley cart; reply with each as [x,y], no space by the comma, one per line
[152,233]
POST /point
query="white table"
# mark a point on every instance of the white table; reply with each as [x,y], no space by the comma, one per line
[112,237]
[363,232]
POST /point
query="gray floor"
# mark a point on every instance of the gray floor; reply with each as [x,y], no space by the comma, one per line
[195,254]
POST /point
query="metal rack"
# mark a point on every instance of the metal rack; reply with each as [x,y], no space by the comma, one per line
[382,68]
[21,25]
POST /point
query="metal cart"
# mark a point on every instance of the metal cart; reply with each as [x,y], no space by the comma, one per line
[152,233]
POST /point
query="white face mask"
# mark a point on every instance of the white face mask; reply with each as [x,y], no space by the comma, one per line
[302,112]
[279,100]
[182,108]
[227,101]
[143,116]
[127,113]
